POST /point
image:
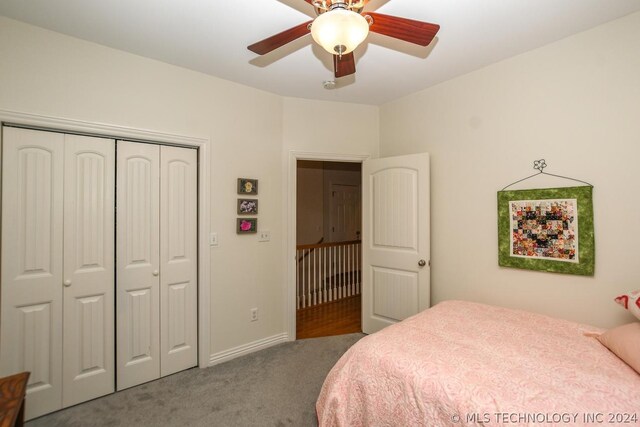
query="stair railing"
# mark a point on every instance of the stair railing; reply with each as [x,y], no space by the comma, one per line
[328,272]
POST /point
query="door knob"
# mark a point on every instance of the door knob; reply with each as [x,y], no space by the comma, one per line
[67,283]
[156,272]
[422,263]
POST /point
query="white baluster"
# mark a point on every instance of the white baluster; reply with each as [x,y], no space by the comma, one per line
[354,272]
[358,272]
[319,292]
[315,276]
[303,279]
[309,282]
[324,274]
[320,267]
[353,268]
[312,297]
[340,272]
[346,270]
[351,283]
[338,268]
[331,272]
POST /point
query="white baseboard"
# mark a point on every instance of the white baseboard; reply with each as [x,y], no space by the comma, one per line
[251,347]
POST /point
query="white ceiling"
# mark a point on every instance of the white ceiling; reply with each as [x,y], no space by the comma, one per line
[211,37]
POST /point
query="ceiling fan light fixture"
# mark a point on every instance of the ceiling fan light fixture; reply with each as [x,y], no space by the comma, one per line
[339,31]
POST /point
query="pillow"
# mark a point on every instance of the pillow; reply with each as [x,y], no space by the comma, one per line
[630,301]
[624,342]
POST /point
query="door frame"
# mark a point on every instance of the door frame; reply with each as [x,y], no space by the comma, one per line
[291,222]
[64,125]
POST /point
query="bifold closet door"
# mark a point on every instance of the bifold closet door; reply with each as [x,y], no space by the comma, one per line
[89,283]
[138,263]
[157,261]
[57,266]
[32,221]
[178,259]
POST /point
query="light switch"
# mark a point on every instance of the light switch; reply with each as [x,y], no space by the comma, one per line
[264,236]
[213,239]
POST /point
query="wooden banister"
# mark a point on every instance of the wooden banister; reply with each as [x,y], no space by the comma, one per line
[326,245]
[309,253]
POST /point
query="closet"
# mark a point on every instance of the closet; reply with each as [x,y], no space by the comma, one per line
[74,286]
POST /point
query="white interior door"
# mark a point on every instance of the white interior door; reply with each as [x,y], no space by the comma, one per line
[395,243]
[345,212]
[32,221]
[178,259]
[89,204]
[138,264]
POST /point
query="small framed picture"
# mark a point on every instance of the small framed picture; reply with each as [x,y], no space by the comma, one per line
[247,186]
[247,206]
[246,225]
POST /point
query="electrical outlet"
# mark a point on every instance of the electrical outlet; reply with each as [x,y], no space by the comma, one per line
[264,236]
[254,314]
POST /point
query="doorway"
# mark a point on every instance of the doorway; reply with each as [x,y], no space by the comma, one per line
[328,253]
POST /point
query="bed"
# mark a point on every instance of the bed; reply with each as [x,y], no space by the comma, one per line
[461,363]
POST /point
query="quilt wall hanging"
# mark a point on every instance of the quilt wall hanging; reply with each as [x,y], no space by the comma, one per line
[548,229]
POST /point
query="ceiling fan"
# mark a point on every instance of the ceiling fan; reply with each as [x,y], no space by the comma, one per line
[341,26]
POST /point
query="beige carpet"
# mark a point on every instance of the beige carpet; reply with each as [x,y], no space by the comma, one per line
[273,387]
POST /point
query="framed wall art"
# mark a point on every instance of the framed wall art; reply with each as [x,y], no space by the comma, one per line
[247,206]
[247,186]
[547,229]
[246,225]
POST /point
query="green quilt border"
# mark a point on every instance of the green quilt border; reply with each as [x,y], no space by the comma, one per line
[586,242]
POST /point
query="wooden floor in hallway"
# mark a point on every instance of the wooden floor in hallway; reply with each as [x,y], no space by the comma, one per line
[334,318]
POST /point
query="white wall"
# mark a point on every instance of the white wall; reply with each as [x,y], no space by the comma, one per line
[42,72]
[330,127]
[310,202]
[575,103]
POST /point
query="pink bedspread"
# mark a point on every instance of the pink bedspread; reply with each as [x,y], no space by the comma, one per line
[462,363]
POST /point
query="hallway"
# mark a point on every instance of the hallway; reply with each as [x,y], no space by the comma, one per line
[332,318]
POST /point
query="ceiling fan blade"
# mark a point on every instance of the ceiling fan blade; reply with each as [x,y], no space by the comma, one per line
[418,32]
[280,39]
[344,65]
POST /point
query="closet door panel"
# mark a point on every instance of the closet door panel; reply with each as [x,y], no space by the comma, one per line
[178,259]
[89,193]
[32,247]
[137,237]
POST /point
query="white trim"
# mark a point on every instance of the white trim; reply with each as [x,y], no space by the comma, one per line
[102,129]
[241,350]
[202,144]
[294,156]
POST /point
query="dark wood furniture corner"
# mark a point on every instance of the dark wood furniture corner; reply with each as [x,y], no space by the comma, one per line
[12,393]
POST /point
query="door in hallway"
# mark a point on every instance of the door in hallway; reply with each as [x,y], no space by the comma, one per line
[345,214]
